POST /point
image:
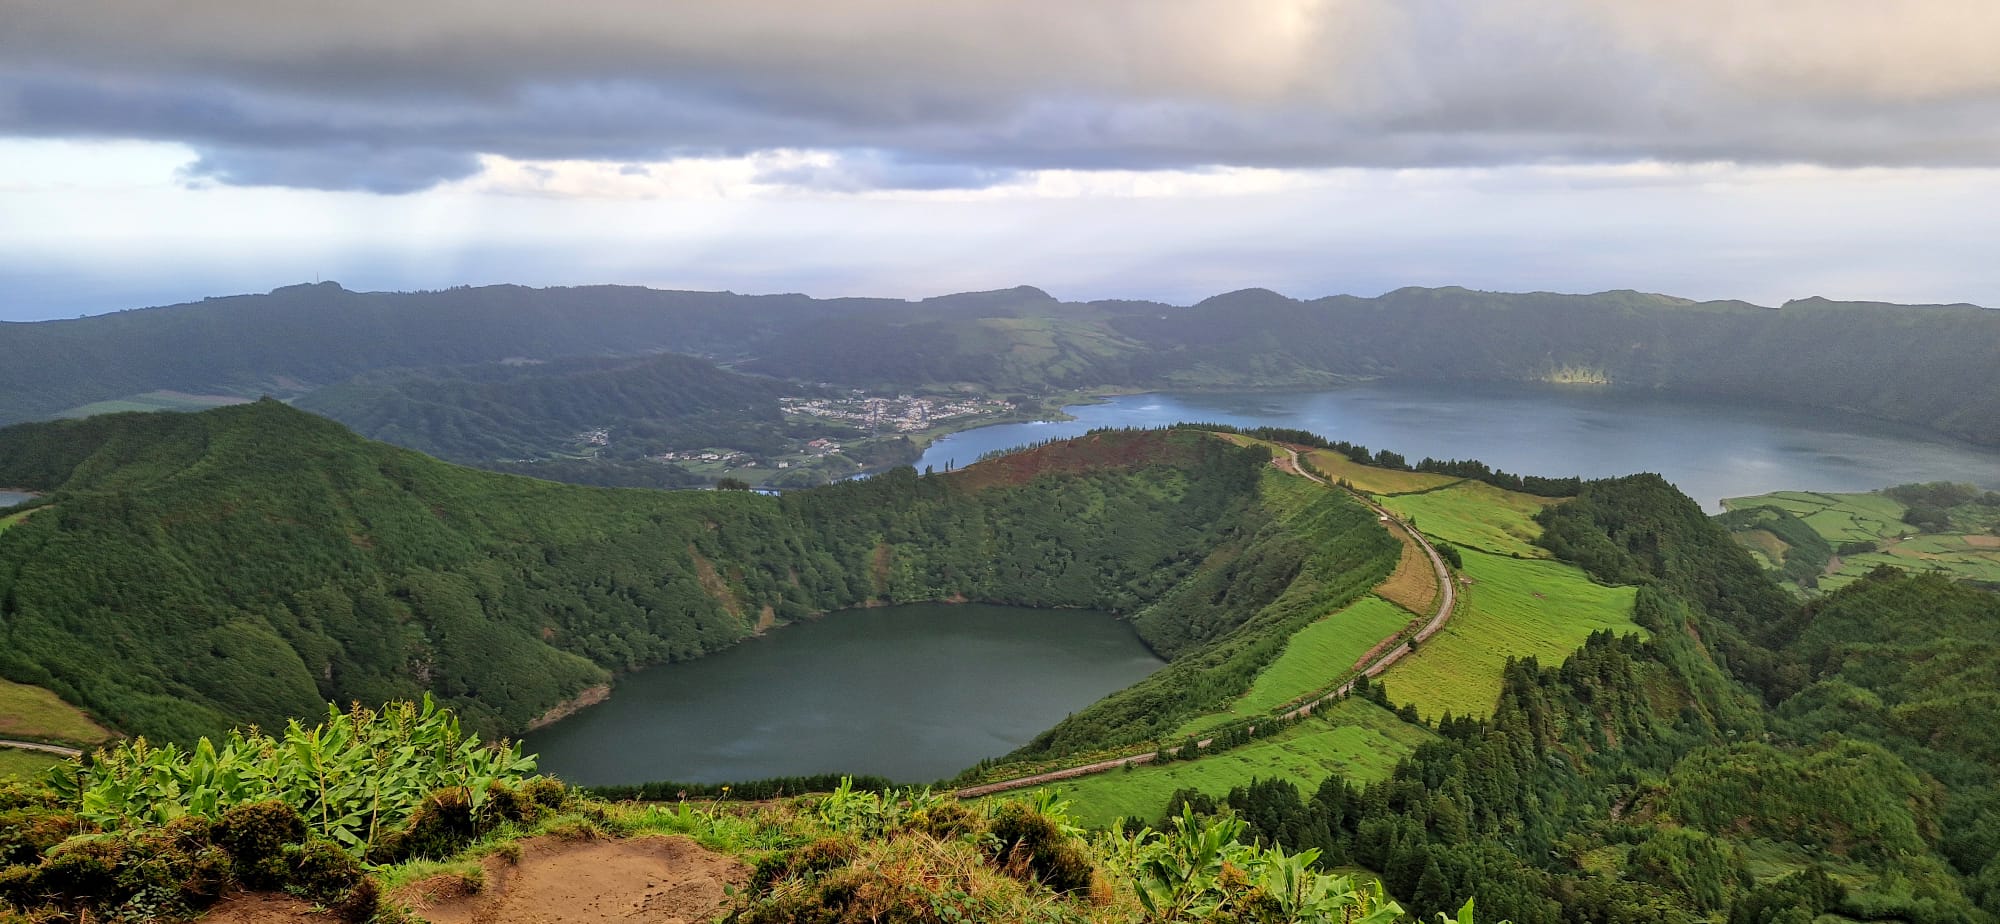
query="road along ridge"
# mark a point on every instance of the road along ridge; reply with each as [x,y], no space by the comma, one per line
[1447,600]
[55,749]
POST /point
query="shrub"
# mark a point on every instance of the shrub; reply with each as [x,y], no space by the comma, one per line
[26,834]
[1031,844]
[945,820]
[814,859]
[255,834]
[440,827]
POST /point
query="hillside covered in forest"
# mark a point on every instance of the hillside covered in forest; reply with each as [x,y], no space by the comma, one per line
[1732,755]
[184,573]
[1811,352]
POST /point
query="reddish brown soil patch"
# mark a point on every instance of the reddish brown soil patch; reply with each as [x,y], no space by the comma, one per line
[664,880]
[590,696]
[878,568]
[265,908]
[1381,647]
[1983,542]
[713,584]
[1094,452]
[1413,585]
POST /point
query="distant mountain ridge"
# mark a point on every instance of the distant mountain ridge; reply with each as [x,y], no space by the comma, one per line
[1925,365]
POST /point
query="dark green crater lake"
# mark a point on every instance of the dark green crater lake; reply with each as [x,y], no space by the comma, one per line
[914,693]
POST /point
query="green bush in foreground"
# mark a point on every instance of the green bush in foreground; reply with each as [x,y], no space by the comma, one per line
[355,779]
[335,814]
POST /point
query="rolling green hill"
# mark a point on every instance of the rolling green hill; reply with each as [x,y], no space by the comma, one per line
[1744,758]
[185,572]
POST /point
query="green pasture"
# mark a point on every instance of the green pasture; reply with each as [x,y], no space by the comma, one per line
[1512,608]
[1878,518]
[1352,737]
[1314,658]
[1373,480]
[153,401]
[9,520]
[36,714]
[1837,518]
[22,764]
[1476,515]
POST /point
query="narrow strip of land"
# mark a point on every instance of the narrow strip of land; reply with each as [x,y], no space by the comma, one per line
[55,749]
[1447,599]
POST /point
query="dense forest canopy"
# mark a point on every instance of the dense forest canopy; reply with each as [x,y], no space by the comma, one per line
[1811,352]
[186,572]
[1753,760]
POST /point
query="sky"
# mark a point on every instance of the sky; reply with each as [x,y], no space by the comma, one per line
[152,153]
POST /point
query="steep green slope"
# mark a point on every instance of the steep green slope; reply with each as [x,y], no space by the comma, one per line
[485,413]
[1642,781]
[187,572]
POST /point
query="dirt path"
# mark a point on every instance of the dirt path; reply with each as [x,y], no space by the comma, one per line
[654,880]
[661,880]
[1447,591]
[55,749]
[1447,599]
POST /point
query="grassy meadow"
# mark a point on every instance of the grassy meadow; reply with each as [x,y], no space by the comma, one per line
[1353,737]
[7,522]
[154,401]
[1975,557]
[1512,608]
[35,714]
[1371,480]
[1970,552]
[1315,657]
[1837,518]
[1476,515]
[23,764]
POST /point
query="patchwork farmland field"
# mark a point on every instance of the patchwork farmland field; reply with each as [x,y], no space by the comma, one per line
[1476,515]
[1511,608]
[35,714]
[1970,552]
[1353,737]
[1371,480]
[1315,657]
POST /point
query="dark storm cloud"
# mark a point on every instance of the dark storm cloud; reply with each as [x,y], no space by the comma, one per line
[394,96]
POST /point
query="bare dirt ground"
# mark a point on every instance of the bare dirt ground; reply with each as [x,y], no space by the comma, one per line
[1413,586]
[656,880]
[262,908]
[661,880]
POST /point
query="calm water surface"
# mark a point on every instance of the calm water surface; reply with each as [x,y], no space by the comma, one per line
[1710,450]
[10,498]
[919,693]
[913,693]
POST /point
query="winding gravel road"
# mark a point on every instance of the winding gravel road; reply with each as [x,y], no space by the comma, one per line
[1447,599]
[55,749]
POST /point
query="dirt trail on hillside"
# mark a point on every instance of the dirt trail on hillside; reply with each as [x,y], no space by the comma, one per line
[660,880]
[655,880]
[264,908]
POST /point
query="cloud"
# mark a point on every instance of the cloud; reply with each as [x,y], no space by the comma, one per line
[395,96]
[340,167]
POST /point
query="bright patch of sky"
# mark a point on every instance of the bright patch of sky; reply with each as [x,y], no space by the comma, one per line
[1167,149]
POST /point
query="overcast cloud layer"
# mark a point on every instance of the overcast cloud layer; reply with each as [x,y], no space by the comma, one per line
[394,96]
[152,152]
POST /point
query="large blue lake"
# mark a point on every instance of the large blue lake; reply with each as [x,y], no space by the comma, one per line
[1710,450]
[918,693]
